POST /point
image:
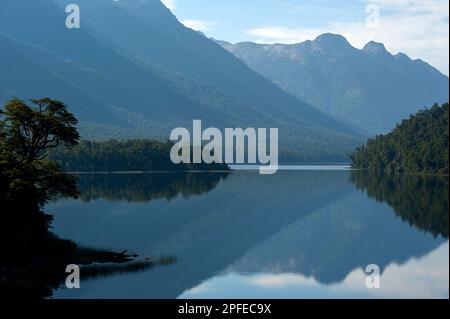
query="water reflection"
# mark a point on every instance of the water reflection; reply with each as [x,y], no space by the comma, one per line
[422,201]
[312,224]
[146,187]
[37,280]
[417,278]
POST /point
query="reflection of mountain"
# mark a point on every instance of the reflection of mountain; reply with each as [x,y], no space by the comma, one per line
[314,223]
[146,187]
[422,201]
[351,232]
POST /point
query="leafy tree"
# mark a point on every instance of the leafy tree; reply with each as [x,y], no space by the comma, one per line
[29,131]
[28,179]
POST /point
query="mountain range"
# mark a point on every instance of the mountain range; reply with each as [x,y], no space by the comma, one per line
[369,88]
[133,70]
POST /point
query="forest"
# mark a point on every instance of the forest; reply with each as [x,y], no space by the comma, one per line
[417,145]
[128,155]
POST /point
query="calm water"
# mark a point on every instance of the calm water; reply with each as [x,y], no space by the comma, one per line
[296,234]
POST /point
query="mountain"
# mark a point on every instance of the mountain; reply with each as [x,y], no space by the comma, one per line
[418,145]
[369,88]
[133,70]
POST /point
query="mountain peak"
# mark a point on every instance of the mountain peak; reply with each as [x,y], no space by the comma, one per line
[401,56]
[375,48]
[332,41]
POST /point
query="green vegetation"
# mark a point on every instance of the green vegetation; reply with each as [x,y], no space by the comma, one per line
[28,180]
[131,155]
[417,145]
[32,258]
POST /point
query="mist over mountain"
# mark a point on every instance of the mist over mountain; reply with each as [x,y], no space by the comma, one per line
[369,88]
[133,70]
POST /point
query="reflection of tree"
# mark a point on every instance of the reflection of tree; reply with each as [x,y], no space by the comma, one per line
[40,281]
[146,187]
[422,201]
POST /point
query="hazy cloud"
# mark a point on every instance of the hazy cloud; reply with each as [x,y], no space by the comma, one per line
[199,25]
[170,4]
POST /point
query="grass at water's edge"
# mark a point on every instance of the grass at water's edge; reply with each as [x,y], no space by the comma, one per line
[39,277]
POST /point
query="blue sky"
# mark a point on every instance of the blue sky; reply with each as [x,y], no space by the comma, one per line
[419,28]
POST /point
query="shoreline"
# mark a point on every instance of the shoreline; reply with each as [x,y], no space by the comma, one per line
[39,277]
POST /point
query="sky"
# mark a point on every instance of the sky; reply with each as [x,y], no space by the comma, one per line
[418,28]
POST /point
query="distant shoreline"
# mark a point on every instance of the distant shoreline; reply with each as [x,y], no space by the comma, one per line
[298,167]
[147,172]
[251,168]
[236,167]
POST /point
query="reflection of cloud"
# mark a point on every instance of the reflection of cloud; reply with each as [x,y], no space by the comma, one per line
[417,28]
[282,280]
[426,277]
[200,289]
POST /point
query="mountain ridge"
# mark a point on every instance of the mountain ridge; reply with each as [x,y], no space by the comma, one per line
[369,88]
[142,77]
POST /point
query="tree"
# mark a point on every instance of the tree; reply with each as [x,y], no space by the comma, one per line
[28,179]
[30,131]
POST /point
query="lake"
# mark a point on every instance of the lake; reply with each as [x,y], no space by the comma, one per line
[301,233]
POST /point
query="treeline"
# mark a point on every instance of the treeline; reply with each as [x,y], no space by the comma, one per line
[418,145]
[129,155]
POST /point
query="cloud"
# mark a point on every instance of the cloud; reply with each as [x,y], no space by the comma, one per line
[170,4]
[417,28]
[199,25]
